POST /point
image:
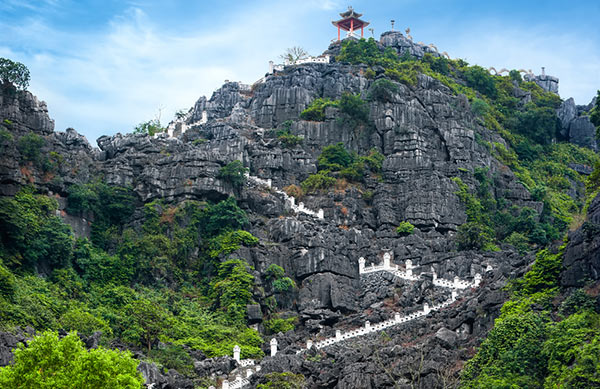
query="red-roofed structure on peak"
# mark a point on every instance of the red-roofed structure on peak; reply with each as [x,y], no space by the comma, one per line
[350,22]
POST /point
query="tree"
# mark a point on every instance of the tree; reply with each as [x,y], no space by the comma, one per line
[150,127]
[14,73]
[595,114]
[293,54]
[48,362]
[148,321]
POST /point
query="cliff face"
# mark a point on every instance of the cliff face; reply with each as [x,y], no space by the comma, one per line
[428,136]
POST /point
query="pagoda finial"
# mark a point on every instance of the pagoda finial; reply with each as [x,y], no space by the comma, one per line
[393,21]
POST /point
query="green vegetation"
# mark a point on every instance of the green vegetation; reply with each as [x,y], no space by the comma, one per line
[528,348]
[173,279]
[47,362]
[405,228]
[150,127]
[30,147]
[337,162]
[287,139]
[595,115]
[316,109]
[382,90]
[276,325]
[283,381]
[14,73]
[234,173]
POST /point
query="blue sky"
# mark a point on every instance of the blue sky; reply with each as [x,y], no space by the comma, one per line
[104,66]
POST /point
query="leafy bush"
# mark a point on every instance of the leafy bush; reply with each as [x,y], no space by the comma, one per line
[30,147]
[405,228]
[475,236]
[222,216]
[283,285]
[335,157]
[234,173]
[317,181]
[355,109]
[316,109]
[479,107]
[288,140]
[65,363]
[274,272]
[515,75]
[481,80]
[282,381]
[277,325]
[150,127]
[84,323]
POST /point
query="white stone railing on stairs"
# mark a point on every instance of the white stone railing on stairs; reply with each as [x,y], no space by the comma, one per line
[290,200]
[368,328]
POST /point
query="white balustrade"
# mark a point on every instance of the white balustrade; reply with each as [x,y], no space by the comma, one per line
[236,353]
[273,347]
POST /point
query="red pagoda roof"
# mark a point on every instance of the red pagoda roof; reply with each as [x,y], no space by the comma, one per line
[350,19]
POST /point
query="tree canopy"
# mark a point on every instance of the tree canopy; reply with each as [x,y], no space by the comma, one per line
[50,362]
[15,73]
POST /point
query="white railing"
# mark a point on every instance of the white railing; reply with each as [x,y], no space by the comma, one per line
[289,200]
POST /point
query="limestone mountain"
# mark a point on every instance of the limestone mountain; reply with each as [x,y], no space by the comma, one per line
[247,221]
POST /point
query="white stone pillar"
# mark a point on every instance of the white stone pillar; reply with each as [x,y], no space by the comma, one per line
[477,279]
[338,335]
[292,201]
[225,385]
[248,373]
[368,326]
[426,309]
[238,380]
[454,294]
[236,353]
[273,347]
[321,214]
[434,277]
[456,282]
[301,206]
[211,387]
[397,317]
[361,265]
[309,344]
[386,260]
[489,268]
[409,267]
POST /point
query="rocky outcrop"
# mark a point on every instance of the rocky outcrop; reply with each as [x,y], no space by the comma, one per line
[544,81]
[581,261]
[576,126]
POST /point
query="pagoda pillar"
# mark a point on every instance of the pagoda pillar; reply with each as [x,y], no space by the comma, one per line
[362,31]
[351,26]
[338,32]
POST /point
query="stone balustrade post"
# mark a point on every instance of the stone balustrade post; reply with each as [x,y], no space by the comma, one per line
[426,308]
[273,347]
[309,344]
[301,206]
[397,316]
[361,265]
[238,380]
[236,353]
[456,282]
[477,279]
[409,267]
[338,335]
[434,277]
[386,260]
[225,384]
[368,326]
[321,214]
[454,294]
[248,373]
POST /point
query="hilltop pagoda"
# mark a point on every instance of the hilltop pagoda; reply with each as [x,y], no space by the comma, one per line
[350,22]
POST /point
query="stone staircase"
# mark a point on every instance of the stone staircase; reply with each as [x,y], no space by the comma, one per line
[455,285]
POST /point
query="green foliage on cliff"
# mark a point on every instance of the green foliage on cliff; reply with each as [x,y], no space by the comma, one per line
[50,362]
[14,73]
[405,228]
[528,347]
[172,278]
[234,172]
[150,127]
[316,109]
